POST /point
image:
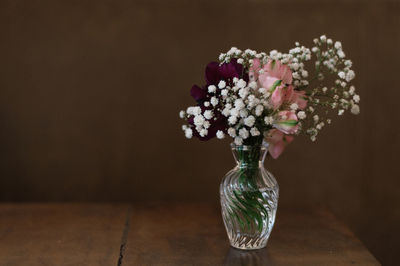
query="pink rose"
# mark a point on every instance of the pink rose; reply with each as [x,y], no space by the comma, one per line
[277,142]
[286,122]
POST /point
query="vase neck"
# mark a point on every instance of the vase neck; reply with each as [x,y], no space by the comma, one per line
[250,156]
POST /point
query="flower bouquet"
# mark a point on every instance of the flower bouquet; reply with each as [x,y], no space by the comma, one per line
[262,101]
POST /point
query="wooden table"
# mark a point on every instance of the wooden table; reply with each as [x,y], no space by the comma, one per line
[165,234]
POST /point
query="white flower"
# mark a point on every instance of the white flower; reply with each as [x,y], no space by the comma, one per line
[341,54]
[338,45]
[184,127]
[232,132]
[214,101]
[239,104]
[208,114]
[224,92]
[238,141]
[249,121]
[324,89]
[206,104]
[253,85]
[259,110]
[342,75]
[240,61]
[350,75]
[329,41]
[206,124]
[356,98]
[243,93]
[203,132]
[328,121]
[221,84]
[311,109]
[294,106]
[188,133]
[243,113]
[254,131]
[243,133]
[341,111]
[355,109]
[241,83]
[220,134]
[269,120]
[196,110]
[320,125]
[234,112]
[323,38]
[316,118]
[352,89]
[304,73]
[198,120]
[232,119]
[226,111]
[212,89]
[301,115]
[182,114]
[313,138]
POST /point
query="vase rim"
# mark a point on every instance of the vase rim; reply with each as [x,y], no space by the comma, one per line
[264,144]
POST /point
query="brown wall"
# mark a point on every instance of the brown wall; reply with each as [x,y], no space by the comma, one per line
[90,91]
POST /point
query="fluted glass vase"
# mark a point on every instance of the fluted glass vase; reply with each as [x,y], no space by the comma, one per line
[249,198]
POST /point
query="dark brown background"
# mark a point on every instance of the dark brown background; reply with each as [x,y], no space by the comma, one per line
[90,93]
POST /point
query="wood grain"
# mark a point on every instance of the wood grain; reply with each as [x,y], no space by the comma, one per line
[188,234]
[61,234]
[165,234]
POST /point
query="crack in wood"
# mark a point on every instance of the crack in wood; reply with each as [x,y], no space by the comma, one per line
[124,238]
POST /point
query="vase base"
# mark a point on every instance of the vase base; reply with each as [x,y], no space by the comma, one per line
[248,248]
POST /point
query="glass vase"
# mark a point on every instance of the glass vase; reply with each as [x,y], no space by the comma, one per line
[249,198]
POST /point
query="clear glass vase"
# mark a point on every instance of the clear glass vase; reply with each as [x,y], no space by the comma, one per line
[249,198]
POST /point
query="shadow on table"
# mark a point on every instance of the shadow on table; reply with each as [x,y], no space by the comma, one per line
[249,257]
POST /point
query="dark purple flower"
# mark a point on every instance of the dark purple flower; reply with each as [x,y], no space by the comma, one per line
[199,94]
[226,71]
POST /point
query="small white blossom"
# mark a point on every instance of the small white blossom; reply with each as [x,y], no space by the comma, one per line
[342,75]
[232,120]
[241,84]
[224,92]
[249,121]
[323,38]
[356,98]
[316,118]
[212,89]
[338,45]
[182,114]
[203,132]
[294,106]
[206,104]
[243,133]
[208,114]
[301,115]
[355,109]
[243,113]
[220,134]
[232,132]
[188,133]
[238,141]
[254,131]
[350,75]
[198,120]
[221,84]
[341,111]
[352,90]
[259,110]
[239,104]
[214,101]
[269,120]
[240,61]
